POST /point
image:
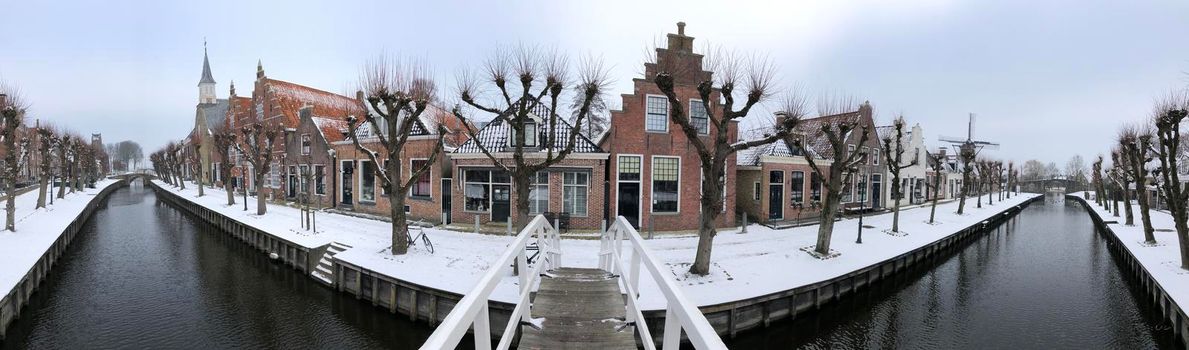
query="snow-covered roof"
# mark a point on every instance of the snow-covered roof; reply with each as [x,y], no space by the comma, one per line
[494,135]
[289,98]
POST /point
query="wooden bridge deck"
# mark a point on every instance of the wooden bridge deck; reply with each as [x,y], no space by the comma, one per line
[577,308]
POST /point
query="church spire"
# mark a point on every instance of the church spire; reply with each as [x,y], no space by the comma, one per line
[206,67]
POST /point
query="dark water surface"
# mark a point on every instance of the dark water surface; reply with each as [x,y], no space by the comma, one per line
[1043,280]
[141,275]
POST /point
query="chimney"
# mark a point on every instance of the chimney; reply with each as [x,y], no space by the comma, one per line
[680,42]
[233,88]
[305,112]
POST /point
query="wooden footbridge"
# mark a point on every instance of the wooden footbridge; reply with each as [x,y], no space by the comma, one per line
[591,307]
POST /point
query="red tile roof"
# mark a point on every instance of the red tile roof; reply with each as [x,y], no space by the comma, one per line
[239,113]
[290,98]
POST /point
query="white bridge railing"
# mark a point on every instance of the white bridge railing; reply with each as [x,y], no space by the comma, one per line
[680,313]
[472,310]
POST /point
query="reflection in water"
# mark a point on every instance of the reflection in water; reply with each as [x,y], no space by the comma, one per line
[143,275]
[1041,280]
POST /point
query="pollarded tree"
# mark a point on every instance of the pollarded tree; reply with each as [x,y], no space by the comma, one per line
[893,150]
[1011,178]
[224,141]
[194,161]
[967,152]
[937,163]
[1134,146]
[399,93]
[1096,178]
[12,111]
[739,85]
[45,146]
[1123,179]
[844,161]
[1169,114]
[257,147]
[65,152]
[528,83]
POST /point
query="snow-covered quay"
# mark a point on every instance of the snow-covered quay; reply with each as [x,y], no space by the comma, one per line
[746,266]
[41,236]
[1157,267]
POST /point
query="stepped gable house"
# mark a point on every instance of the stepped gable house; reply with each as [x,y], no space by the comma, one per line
[655,174]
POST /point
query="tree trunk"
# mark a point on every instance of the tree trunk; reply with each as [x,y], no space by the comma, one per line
[896,215]
[964,191]
[522,187]
[261,204]
[61,190]
[41,188]
[1183,236]
[1130,220]
[11,204]
[936,191]
[708,218]
[1115,202]
[706,233]
[400,228]
[230,192]
[1144,207]
[826,226]
[200,180]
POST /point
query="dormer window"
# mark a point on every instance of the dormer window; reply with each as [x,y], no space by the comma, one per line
[530,135]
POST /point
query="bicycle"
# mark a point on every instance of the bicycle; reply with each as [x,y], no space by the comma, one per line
[420,236]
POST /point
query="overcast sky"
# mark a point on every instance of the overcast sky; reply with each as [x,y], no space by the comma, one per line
[1048,79]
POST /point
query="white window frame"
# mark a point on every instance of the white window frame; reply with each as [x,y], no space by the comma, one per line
[755,191]
[358,195]
[428,172]
[533,187]
[692,102]
[652,185]
[589,180]
[639,189]
[305,142]
[648,97]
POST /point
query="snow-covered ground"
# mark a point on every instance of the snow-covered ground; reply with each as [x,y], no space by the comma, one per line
[36,231]
[757,263]
[1162,261]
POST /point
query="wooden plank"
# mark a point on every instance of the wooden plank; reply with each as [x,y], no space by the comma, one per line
[578,309]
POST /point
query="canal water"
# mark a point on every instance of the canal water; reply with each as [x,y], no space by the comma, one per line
[1042,280]
[142,275]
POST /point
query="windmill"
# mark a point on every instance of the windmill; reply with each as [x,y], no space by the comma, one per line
[969,144]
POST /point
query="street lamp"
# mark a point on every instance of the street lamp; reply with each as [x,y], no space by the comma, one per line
[863,202]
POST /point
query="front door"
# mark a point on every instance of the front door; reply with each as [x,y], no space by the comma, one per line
[446,196]
[628,202]
[347,174]
[776,195]
[876,192]
[501,202]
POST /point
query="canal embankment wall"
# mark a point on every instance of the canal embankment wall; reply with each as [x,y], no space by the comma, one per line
[385,281]
[1155,269]
[41,238]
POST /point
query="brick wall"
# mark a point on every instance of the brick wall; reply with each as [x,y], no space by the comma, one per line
[595,196]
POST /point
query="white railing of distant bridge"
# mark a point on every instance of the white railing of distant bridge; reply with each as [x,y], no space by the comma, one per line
[472,310]
[680,313]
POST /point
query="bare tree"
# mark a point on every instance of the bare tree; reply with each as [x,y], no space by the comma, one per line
[12,110]
[1123,179]
[937,162]
[259,140]
[194,161]
[46,141]
[967,153]
[1075,169]
[65,150]
[1096,177]
[844,160]
[1169,113]
[1134,147]
[224,141]
[893,150]
[398,92]
[1011,178]
[529,81]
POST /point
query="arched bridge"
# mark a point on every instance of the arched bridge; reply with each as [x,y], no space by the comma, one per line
[1039,185]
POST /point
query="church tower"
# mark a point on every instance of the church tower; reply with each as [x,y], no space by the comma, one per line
[206,86]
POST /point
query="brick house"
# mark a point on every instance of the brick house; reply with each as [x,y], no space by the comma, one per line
[239,113]
[570,186]
[355,184]
[280,102]
[655,173]
[776,184]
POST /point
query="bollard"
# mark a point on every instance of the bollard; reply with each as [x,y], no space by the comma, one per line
[744,224]
[649,229]
[510,227]
[476,224]
[444,219]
